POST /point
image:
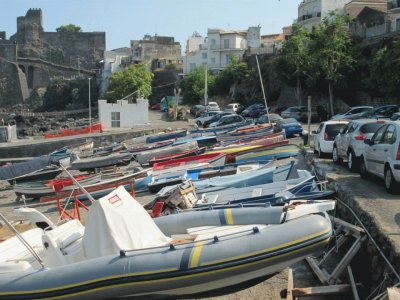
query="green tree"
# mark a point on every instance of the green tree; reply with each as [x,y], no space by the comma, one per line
[385,68]
[331,51]
[69,28]
[193,84]
[294,59]
[129,80]
[232,75]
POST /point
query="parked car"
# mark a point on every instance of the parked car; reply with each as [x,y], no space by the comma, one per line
[325,136]
[395,116]
[155,106]
[215,118]
[197,110]
[381,156]
[318,114]
[254,111]
[291,126]
[234,108]
[383,111]
[229,119]
[294,112]
[205,117]
[353,113]
[213,106]
[276,109]
[273,117]
[349,143]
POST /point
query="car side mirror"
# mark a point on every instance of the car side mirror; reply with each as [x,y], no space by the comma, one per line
[367,142]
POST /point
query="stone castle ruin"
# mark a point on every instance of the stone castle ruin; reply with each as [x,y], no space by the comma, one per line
[30,58]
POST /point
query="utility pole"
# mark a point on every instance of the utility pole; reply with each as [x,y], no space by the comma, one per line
[205,88]
[309,118]
[90,110]
[177,94]
[262,88]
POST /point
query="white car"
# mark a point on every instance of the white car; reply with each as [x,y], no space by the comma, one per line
[352,113]
[349,143]
[233,108]
[381,156]
[213,106]
[325,136]
[206,116]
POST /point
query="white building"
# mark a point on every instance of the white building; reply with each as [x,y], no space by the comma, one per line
[218,48]
[114,61]
[123,114]
[312,12]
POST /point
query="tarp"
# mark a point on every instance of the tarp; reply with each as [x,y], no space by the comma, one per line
[118,222]
[22,168]
[98,127]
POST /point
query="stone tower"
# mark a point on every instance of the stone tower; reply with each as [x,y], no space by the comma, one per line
[30,27]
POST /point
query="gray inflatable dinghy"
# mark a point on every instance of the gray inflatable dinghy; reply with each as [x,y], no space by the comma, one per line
[122,252]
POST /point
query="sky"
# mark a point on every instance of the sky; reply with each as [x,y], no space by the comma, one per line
[125,20]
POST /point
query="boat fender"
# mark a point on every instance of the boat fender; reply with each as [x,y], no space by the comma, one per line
[122,253]
[216,239]
[255,229]
[171,247]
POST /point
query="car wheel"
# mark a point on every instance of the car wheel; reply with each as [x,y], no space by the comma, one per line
[352,162]
[390,182]
[335,156]
[320,153]
[363,169]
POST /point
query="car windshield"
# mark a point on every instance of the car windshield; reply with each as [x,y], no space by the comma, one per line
[371,127]
[332,130]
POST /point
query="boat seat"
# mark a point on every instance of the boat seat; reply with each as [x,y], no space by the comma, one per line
[63,245]
[36,217]
[15,256]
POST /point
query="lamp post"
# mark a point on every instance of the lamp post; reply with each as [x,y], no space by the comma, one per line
[90,110]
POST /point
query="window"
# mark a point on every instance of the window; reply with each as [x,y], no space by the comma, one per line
[226,44]
[213,42]
[204,55]
[213,60]
[192,66]
[390,135]
[352,128]
[320,128]
[228,59]
[115,119]
[376,139]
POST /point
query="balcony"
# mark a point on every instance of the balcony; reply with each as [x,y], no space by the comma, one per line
[309,16]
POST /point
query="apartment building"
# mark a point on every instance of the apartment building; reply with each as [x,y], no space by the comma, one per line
[218,48]
[312,12]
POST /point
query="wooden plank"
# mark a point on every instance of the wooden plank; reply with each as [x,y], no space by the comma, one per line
[321,290]
[290,287]
[353,283]
[314,266]
[393,293]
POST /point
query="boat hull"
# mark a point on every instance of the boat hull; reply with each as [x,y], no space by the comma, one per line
[183,269]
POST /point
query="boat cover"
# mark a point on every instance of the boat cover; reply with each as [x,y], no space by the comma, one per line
[118,222]
[22,168]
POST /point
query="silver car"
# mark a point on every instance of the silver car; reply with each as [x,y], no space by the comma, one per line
[295,112]
[349,143]
[353,113]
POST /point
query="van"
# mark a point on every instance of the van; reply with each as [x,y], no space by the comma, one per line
[234,108]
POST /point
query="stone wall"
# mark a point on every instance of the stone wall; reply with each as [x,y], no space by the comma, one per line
[44,55]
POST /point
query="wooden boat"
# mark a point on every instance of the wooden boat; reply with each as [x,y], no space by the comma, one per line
[215,159]
[270,153]
[106,150]
[172,178]
[122,252]
[39,189]
[10,172]
[91,163]
[166,136]
[252,129]
[234,135]
[220,129]
[169,157]
[145,147]
[144,157]
[46,173]
[202,141]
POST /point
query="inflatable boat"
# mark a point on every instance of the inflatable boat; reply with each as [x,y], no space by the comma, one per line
[122,252]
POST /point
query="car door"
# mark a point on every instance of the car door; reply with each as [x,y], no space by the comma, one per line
[345,140]
[319,135]
[372,158]
[384,148]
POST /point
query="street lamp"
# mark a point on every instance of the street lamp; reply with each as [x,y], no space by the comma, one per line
[90,110]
